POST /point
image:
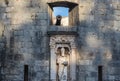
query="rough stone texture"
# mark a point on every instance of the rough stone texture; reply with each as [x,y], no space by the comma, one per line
[24,39]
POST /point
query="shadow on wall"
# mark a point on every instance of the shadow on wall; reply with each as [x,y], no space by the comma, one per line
[98,36]
[2,40]
[26,41]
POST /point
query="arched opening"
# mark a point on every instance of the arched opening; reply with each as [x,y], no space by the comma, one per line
[69,9]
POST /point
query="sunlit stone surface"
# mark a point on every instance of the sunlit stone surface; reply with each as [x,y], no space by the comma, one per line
[24,40]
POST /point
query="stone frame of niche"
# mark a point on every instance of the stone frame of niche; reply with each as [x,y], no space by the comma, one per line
[54,42]
[73,11]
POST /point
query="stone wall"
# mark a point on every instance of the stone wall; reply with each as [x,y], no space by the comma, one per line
[24,39]
[25,24]
[98,39]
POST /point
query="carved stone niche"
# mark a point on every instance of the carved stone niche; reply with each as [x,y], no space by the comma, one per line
[62,47]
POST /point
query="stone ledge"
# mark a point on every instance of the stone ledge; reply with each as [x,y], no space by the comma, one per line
[62,30]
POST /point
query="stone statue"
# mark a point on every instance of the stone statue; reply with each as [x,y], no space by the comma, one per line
[58,20]
[62,62]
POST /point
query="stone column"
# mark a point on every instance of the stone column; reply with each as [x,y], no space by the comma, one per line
[53,63]
[73,63]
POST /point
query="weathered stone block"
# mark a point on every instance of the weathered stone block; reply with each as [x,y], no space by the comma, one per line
[90,79]
[93,74]
[85,62]
[42,63]
[9,9]
[117,12]
[111,77]
[41,22]
[42,16]
[18,57]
